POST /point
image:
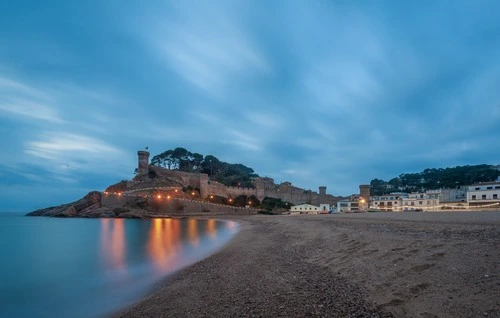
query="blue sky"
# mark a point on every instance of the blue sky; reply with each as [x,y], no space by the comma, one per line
[331,93]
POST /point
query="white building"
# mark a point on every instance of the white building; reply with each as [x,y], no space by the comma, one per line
[347,206]
[324,207]
[421,201]
[389,202]
[453,195]
[484,195]
[305,208]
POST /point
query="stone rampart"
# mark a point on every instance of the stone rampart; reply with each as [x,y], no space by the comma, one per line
[264,187]
[173,206]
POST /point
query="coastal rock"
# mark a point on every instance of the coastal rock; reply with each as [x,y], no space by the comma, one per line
[86,204]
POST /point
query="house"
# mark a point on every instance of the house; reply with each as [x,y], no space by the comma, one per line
[421,201]
[348,206]
[484,195]
[305,209]
[390,202]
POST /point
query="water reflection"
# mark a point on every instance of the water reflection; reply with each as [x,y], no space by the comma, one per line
[116,262]
[193,232]
[211,229]
[113,243]
[231,225]
[164,245]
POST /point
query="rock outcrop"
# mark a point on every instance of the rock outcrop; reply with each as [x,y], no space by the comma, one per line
[88,204]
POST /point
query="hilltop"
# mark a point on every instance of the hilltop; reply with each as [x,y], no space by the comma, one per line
[431,179]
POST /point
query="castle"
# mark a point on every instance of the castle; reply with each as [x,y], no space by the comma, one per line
[152,176]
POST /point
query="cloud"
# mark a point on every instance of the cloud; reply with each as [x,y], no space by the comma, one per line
[65,153]
[210,52]
[31,109]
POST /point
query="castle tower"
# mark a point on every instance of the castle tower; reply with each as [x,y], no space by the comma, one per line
[364,193]
[143,166]
[322,190]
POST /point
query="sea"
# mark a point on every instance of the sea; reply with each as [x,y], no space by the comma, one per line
[70,267]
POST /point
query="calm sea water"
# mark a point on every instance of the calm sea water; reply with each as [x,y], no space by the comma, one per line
[52,267]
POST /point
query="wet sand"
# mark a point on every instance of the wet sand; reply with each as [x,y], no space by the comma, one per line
[444,264]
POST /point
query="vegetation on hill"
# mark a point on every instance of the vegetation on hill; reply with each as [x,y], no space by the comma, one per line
[228,174]
[430,179]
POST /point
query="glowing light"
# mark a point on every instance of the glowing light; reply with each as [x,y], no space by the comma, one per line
[192,193]
[211,197]
[159,196]
[119,193]
[168,197]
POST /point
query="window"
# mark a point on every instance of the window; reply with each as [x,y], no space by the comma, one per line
[483,197]
[478,188]
[495,196]
[420,202]
[474,197]
[497,187]
[395,203]
[489,188]
[413,203]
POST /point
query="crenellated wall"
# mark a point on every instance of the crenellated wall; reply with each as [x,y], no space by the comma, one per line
[264,187]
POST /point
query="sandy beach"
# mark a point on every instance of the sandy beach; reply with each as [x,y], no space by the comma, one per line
[444,264]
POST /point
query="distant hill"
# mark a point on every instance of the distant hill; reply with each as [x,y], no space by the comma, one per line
[229,174]
[430,179]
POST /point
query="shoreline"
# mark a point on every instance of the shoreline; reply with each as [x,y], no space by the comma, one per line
[337,265]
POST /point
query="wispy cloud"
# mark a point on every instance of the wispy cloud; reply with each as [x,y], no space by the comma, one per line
[65,153]
[31,110]
[210,52]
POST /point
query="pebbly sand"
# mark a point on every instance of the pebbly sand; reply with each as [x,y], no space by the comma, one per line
[444,264]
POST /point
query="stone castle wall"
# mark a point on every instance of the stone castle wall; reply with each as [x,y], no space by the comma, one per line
[264,187]
[173,207]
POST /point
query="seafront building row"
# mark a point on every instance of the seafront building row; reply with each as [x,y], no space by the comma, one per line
[477,196]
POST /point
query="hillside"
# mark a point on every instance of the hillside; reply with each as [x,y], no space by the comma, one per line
[228,174]
[430,179]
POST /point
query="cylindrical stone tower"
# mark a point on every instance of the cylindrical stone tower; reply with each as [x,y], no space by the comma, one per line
[322,190]
[143,162]
[364,193]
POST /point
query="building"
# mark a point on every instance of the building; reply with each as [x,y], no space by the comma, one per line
[348,206]
[390,202]
[325,207]
[422,201]
[305,209]
[484,195]
[453,195]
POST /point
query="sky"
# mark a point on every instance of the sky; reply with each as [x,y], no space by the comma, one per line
[318,92]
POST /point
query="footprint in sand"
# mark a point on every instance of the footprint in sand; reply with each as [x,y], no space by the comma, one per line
[421,268]
[417,289]
[397,249]
[368,252]
[428,315]
[392,303]
[435,256]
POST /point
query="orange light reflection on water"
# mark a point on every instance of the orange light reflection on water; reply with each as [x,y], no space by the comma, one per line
[211,229]
[193,232]
[164,245]
[113,242]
